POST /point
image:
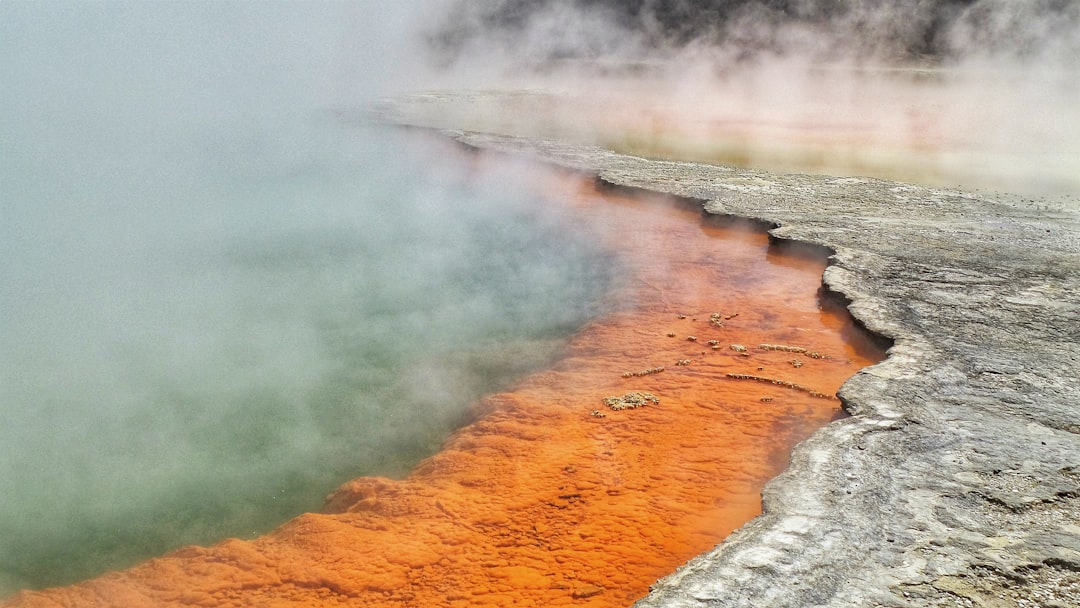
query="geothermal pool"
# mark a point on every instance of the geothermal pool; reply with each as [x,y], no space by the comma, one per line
[551,496]
[219,304]
[216,302]
[210,356]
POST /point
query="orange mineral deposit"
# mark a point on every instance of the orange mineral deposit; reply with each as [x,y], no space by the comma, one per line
[645,444]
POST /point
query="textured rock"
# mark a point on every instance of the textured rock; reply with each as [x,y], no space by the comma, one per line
[957,482]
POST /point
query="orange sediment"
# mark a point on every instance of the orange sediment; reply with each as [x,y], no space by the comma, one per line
[551,497]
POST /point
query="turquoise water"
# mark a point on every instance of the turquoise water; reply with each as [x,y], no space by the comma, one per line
[218,303]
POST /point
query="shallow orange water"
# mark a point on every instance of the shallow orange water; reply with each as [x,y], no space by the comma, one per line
[550,497]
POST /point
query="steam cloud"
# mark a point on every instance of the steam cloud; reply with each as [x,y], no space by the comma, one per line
[216,302]
[978,93]
[878,30]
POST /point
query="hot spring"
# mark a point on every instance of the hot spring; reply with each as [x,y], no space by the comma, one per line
[218,303]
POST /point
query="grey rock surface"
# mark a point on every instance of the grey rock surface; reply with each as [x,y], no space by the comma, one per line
[956,482]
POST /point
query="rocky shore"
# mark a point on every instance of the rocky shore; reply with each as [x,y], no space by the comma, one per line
[957,480]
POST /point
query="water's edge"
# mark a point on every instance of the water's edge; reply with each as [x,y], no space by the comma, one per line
[965,431]
[337,553]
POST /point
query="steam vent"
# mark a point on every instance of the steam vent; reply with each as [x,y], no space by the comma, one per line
[645,445]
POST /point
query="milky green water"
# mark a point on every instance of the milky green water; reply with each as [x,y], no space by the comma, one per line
[216,302]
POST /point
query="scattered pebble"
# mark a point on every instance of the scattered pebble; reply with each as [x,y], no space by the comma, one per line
[781,347]
[631,401]
[644,372]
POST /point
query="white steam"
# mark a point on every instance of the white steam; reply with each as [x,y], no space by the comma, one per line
[213,295]
[980,94]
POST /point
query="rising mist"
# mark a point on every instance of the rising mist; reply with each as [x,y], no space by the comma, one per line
[218,302]
[976,93]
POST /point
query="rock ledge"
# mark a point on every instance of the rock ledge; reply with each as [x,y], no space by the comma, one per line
[957,480]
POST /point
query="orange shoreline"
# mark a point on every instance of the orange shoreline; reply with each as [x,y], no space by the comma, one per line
[550,497]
